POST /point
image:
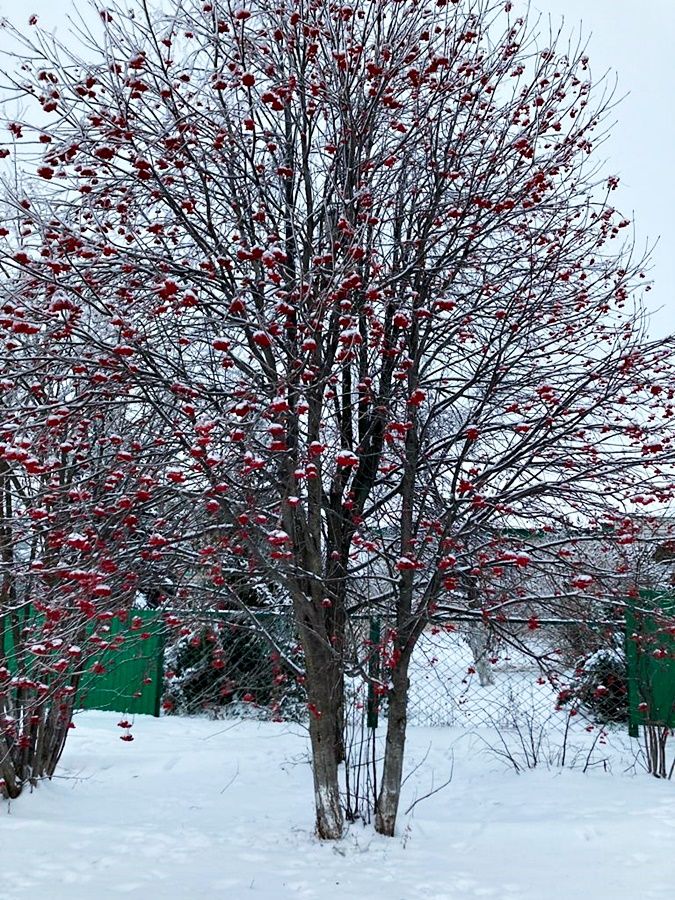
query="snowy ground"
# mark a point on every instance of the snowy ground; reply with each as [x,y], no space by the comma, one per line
[196,808]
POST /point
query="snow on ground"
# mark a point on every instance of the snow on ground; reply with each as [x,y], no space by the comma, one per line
[196,808]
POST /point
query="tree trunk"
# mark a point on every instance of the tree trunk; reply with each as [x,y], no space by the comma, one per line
[11,786]
[478,639]
[324,683]
[329,817]
[392,773]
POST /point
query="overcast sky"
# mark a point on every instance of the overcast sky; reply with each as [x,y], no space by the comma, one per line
[634,39]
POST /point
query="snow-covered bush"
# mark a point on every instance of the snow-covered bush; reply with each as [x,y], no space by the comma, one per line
[600,686]
[227,667]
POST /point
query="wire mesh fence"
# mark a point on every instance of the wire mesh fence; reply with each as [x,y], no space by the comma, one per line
[557,694]
[464,674]
[557,679]
[534,691]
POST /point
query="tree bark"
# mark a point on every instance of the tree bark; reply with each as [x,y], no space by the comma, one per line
[329,816]
[12,787]
[478,639]
[324,683]
[392,773]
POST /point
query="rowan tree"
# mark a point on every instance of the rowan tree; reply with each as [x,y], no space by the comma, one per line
[358,266]
[69,542]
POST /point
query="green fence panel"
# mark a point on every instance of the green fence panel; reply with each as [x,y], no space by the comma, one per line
[650,657]
[7,649]
[130,680]
[125,675]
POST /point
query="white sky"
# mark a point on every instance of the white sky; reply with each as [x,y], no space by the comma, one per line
[635,39]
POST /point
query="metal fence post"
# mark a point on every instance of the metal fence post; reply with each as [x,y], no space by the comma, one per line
[631,651]
[373,672]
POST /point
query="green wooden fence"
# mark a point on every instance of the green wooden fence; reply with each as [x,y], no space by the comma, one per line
[132,678]
[650,658]
[124,676]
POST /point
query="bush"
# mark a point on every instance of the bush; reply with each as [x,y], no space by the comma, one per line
[227,668]
[600,686]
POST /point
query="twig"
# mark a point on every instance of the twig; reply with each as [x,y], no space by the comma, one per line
[432,791]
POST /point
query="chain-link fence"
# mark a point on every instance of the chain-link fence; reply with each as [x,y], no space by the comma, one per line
[531,688]
[557,679]
[466,674]
[557,692]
